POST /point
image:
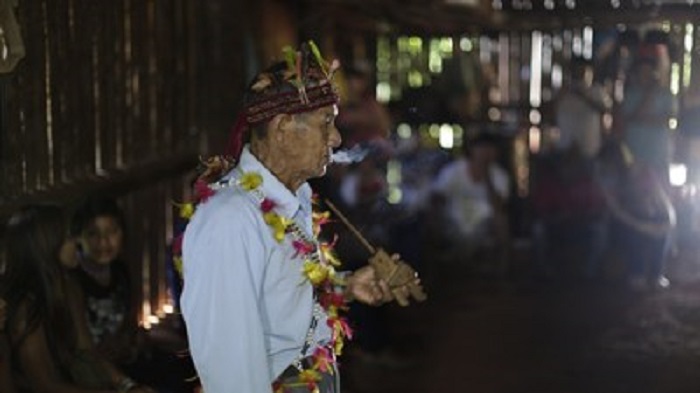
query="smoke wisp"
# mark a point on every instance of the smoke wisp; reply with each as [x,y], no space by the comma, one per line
[356,154]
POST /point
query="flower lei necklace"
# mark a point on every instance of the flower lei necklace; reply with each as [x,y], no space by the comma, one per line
[318,268]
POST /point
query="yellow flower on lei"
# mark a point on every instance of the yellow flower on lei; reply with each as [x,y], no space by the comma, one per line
[319,219]
[329,255]
[309,376]
[338,344]
[250,181]
[315,272]
[186,210]
[278,224]
[332,312]
[177,263]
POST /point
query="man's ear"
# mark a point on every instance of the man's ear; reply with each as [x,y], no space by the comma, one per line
[281,124]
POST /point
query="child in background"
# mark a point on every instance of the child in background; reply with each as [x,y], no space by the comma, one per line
[51,346]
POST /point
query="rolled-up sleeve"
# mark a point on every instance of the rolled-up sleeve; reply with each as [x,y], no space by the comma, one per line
[224,260]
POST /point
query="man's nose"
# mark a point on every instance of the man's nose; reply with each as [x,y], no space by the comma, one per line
[334,139]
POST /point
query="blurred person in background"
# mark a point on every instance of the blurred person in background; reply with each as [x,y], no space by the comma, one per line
[638,202]
[361,119]
[644,115]
[471,194]
[568,207]
[99,226]
[46,325]
[362,191]
[569,211]
[579,111]
[110,302]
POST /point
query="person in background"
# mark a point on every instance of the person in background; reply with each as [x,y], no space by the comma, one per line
[644,114]
[99,225]
[46,325]
[579,111]
[7,384]
[361,118]
[100,228]
[638,202]
[361,121]
[472,192]
[568,211]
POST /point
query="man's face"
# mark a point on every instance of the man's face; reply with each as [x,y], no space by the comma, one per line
[310,143]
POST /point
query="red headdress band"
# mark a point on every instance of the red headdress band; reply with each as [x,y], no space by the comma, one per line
[236,137]
[305,85]
[260,112]
[291,102]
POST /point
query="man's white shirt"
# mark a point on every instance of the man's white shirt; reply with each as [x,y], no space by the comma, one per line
[246,303]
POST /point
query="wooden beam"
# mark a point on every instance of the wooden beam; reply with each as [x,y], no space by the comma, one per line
[437,17]
[116,183]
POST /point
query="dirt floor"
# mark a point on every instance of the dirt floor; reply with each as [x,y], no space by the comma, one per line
[520,335]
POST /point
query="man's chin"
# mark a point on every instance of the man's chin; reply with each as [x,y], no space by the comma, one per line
[321,172]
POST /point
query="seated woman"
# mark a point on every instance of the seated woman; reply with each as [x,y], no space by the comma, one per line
[51,346]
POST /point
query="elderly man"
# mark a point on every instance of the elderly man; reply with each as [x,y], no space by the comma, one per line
[261,296]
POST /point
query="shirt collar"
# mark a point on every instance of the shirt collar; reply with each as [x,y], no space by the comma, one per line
[288,203]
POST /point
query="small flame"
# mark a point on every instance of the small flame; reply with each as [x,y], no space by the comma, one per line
[168,308]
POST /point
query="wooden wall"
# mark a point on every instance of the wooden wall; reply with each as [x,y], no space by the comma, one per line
[121,97]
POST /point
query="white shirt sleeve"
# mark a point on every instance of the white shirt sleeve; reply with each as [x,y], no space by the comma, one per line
[445,177]
[224,261]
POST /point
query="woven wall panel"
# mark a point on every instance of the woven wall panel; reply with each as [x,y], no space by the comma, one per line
[118,97]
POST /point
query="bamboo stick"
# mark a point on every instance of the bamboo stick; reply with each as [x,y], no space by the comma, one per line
[351,227]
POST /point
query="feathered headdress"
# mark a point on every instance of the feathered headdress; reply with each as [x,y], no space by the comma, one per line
[301,83]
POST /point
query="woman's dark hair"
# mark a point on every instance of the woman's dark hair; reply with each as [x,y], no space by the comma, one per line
[96,207]
[34,279]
